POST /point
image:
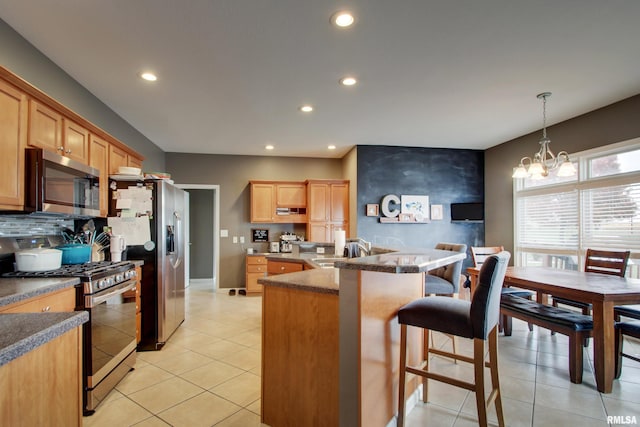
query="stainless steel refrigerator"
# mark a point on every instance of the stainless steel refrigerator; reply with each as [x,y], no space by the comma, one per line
[162,298]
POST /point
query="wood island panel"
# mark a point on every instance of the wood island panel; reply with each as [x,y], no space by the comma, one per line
[299,358]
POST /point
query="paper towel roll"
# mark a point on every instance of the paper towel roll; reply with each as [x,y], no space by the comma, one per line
[339,239]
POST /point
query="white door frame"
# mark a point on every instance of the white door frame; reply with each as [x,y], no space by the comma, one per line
[216,224]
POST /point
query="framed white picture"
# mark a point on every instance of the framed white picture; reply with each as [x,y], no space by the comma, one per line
[436,212]
[418,206]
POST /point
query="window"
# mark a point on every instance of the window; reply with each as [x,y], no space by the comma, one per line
[556,220]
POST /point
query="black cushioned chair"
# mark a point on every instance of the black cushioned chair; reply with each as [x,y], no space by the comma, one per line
[631,328]
[477,320]
[479,254]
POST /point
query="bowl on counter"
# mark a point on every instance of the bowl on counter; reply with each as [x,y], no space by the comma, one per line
[38,259]
[75,253]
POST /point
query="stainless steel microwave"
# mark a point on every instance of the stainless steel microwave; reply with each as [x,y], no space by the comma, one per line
[59,185]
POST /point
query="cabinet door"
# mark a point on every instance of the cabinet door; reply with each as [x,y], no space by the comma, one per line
[99,159]
[318,232]
[318,209]
[339,202]
[291,195]
[75,140]
[13,139]
[262,202]
[117,158]
[45,128]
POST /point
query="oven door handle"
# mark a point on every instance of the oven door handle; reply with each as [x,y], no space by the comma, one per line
[93,300]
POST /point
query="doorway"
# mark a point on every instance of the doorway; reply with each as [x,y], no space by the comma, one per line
[203,252]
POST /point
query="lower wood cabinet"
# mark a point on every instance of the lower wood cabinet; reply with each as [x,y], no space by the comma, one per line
[44,386]
[256,268]
[282,267]
[58,301]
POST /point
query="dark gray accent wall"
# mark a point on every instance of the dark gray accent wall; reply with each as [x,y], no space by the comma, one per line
[446,176]
[232,174]
[24,60]
[201,233]
[614,123]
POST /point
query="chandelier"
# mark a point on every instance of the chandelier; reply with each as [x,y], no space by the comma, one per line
[544,160]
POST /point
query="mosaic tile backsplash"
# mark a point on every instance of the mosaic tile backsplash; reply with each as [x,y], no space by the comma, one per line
[24,225]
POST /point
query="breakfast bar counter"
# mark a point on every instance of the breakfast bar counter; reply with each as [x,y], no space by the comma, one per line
[330,339]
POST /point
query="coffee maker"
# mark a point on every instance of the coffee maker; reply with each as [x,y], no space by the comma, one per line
[286,240]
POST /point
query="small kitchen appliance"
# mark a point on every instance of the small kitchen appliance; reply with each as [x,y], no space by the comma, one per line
[117,244]
[286,240]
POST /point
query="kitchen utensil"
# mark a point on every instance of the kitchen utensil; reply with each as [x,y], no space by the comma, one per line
[39,259]
[117,245]
[75,253]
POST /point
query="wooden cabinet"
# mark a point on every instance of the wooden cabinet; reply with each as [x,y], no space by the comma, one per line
[45,128]
[134,162]
[282,267]
[13,140]
[75,141]
[44,386]
[57,301]
[281,202]
[99,159]
[137,294]
[328,209]
[256,268]
[117,157]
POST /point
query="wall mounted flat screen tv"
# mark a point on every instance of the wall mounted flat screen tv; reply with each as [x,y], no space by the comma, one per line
[467,211]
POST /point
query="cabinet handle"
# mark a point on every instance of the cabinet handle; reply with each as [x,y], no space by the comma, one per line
[281,268]
[47,308]
[61,148]
[68,151]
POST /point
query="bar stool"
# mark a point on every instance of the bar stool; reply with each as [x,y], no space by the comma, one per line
[477,320]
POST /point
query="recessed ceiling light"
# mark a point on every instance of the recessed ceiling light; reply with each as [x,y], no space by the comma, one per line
[269,147]
[343,19]
[331,147]
[150,77]
[306,108]
[348,81]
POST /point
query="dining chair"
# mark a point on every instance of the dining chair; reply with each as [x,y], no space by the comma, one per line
[597,261]
[479,254]
[632,329]
[476,319]
[445,281]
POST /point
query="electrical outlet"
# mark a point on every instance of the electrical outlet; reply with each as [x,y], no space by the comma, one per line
[320,250]
[235,239]
[241,239]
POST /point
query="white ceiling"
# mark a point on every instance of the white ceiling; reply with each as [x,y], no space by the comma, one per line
[232,73]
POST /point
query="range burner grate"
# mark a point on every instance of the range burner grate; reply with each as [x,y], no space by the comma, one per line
[88,270]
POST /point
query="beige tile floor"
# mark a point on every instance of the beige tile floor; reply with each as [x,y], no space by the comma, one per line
[208,374]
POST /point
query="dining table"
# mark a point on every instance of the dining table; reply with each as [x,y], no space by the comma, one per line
[602,291]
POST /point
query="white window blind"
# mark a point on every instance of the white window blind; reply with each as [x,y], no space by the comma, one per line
[548,221]
[612,217]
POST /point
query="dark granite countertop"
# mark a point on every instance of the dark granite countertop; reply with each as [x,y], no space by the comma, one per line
[23,332]
[322,280]
[327,279]
[17,289]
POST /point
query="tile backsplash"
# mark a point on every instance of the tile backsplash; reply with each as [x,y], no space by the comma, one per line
[25,225]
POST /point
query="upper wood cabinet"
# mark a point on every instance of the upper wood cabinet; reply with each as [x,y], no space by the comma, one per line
[283,202]
[13,140]
[117,157]
[99,159]
[75,141]
[328,209]
[45,127]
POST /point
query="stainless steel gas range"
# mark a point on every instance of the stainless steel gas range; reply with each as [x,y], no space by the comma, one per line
[109,338]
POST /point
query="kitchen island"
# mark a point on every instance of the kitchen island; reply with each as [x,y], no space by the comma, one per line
[330,339]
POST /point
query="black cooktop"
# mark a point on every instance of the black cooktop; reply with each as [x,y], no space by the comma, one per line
[87,271]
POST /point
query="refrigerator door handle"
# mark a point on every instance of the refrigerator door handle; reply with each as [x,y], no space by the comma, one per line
[177,239]
[171,241]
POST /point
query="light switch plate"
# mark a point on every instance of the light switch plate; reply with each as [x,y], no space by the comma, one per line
[224,233]
[235,239]
[241,239]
